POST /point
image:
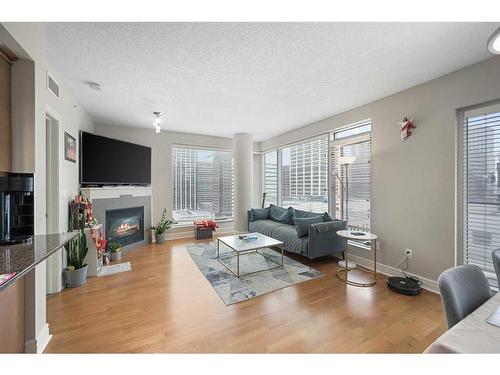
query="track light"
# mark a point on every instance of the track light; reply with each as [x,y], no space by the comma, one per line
[157,121]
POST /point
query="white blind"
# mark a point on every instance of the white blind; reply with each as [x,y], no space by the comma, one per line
[359,181]
[481,190]
[271,177]
[304,175]
[202,184]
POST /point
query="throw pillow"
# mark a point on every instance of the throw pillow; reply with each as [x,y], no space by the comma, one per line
[259,214]
[327,217]
[302,224]
[287,217]
[303,214]
[275,212]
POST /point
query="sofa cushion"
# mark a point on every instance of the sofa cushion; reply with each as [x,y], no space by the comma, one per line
[291,241]
[302,214]
[259,214]
[327,217]
[280,214]
[264,226]
[302,224]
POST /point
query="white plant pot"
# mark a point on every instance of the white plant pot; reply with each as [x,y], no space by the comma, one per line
[116,256]
[75,278]
[161,238]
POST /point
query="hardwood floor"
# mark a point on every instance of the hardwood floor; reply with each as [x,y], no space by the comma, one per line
[165,305]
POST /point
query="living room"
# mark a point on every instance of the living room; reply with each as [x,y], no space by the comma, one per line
[249,187]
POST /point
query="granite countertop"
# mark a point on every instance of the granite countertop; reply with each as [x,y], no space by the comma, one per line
[22,258]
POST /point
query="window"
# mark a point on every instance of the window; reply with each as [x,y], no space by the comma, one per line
[481,188]
[202,184]
[354,141]
[270,186]
[349,132]
[304,178]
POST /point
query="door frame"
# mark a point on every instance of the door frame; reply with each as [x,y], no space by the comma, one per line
[52,182]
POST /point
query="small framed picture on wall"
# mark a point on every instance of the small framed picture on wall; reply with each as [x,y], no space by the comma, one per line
[69,148]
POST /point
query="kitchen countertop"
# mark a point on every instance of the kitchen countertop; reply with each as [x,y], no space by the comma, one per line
[22,258]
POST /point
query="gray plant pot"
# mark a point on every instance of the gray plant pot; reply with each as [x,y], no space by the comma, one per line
[116,256]
[76,277]
[161,238]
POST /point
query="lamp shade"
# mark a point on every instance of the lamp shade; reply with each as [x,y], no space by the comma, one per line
[343,160]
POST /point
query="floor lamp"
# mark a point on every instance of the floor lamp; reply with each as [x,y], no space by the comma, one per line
[346,161]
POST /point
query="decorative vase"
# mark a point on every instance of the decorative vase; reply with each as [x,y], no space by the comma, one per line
[75,278]
[116,256]
[160,238]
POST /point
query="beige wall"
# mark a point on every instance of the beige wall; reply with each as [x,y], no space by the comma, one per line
[413,182]
[161,167]
[5,116]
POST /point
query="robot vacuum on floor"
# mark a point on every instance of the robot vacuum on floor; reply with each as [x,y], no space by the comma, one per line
[404,285]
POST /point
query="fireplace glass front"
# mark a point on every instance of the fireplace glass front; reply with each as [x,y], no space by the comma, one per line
[125,225]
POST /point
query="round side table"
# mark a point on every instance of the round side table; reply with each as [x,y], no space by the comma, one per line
[366,236]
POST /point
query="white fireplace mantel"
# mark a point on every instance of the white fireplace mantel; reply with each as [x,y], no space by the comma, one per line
[107,192]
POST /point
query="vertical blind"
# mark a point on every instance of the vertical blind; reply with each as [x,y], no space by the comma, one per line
[304,175]
[202,184]
[481,189]
[271,177]
[359,180]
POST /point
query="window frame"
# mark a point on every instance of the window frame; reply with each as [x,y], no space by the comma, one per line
[460,209]
[346,141]
[356,138]
[263,174]
[280,149]
[198,148]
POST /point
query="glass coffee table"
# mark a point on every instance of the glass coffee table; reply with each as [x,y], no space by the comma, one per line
[239,247]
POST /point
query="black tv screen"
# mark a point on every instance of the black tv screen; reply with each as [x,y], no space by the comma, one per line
[106,161]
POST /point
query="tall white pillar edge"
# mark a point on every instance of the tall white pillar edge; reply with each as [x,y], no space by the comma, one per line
[243,179]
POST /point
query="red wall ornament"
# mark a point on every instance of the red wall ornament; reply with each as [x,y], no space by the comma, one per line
[406,127]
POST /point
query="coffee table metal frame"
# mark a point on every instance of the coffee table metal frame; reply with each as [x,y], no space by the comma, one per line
[237,253]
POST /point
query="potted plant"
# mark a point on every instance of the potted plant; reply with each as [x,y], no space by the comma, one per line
[75,273]
[115,248]
[162,227]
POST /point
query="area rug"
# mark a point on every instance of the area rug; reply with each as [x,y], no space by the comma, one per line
[232,289]
[114,268]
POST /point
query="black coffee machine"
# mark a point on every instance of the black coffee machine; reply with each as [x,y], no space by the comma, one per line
[16,208]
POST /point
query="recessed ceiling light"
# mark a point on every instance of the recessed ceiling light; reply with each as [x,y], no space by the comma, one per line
[494,42]
[94,85]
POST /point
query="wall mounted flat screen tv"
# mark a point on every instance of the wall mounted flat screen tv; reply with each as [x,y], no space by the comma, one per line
[106,161]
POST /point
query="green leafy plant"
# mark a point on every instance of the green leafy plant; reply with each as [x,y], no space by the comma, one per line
[115,247]
[77,248]
[164,223]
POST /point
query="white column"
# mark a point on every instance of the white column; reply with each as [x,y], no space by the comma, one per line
[243,179]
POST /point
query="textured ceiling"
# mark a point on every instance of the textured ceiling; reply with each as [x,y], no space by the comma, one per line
[262,78]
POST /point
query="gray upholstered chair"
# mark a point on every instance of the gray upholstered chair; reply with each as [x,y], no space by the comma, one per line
[496,263]
[463,289]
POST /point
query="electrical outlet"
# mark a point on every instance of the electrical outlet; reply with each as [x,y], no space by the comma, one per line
[409,253]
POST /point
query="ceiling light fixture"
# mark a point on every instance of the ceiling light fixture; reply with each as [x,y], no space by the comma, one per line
[157,122]
[94,85]
[494,42]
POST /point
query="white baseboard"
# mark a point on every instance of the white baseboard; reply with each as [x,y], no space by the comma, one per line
[38,345]
[427,284]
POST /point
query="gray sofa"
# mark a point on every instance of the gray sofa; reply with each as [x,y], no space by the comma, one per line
[314,240]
